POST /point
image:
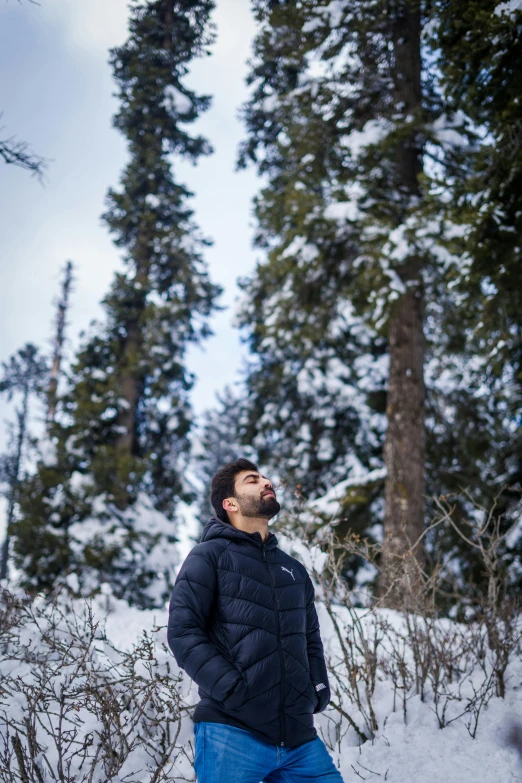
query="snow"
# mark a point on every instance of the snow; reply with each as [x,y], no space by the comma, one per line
[47,452]
[373,132]
[420,732]
[270,102]
[342,210]
[511,7]
[177,101]
[425,753]
[80,481]
[299,247]
[447,130]
[312,24]
[407,745]
[152,200]
[334,13]
[151,551]
[92,702]
[331,503]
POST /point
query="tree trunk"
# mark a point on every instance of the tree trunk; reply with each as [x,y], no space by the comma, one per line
[404,449]
[22,424]
[130,390]
[130,380]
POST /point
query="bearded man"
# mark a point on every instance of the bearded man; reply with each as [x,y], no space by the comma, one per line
[243,625]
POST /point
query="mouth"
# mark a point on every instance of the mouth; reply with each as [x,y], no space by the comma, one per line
[268,493]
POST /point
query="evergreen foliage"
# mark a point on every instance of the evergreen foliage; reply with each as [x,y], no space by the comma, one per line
[24,375]
[123,425]
[375,203]
[384,322]
[478,48]
[219,442]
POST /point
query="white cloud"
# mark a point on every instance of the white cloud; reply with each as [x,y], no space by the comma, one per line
[90,26]
[66,114]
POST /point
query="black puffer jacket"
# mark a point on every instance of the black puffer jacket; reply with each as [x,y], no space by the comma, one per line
[243,625]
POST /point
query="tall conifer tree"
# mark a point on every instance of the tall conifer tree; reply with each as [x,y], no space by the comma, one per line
[480,48]
[125,420]
[59,340]
[479,57]
[25,375]
[352,316]
[347,130]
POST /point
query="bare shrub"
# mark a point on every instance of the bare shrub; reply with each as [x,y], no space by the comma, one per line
[456,668]
[353,670]
[494,608]
[73,708]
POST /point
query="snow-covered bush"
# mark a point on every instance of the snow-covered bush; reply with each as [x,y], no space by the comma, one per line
[89,693]
[380,661]
[75,708]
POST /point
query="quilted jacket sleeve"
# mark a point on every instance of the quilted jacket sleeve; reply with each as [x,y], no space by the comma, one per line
[316,660]
[190,608]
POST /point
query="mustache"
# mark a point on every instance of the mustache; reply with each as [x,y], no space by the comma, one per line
[268,492]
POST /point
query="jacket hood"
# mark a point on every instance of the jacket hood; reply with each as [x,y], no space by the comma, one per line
[216,528]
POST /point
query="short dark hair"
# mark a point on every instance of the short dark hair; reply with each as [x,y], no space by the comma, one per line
[223,484]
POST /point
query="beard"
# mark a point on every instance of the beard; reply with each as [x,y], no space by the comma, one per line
[264,507]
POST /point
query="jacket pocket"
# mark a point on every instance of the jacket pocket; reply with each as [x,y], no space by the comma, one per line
[310,698]
[237,696]
[220,647]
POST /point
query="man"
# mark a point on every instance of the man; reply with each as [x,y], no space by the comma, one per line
[243,625]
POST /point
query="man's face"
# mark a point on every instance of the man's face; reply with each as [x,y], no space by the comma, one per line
[255,495]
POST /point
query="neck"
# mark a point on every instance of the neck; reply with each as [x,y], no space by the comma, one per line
[250,524]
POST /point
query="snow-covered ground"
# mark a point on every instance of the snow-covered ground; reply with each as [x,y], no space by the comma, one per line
[415,751]
[414,748]
[407,746]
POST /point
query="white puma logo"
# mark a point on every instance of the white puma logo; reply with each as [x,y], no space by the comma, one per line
[288,572]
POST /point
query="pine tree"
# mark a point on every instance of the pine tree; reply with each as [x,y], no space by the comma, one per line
[316,382]
[63,304]
[337,112]
[363,152]
[479,58]
[123,430]
[162,303]
[24,374]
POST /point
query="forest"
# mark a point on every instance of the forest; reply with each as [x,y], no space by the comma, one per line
[382,393]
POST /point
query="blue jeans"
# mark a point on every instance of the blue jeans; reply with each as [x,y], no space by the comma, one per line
[225,754]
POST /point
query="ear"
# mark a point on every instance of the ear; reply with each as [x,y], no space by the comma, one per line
[230,505]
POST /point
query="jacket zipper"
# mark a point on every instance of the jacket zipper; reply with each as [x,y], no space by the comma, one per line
[282,736]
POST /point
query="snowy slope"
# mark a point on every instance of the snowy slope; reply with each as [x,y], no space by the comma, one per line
[415,749]
[50,657]
[413,752]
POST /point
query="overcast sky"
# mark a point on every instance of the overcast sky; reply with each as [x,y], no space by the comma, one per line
[56,94]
